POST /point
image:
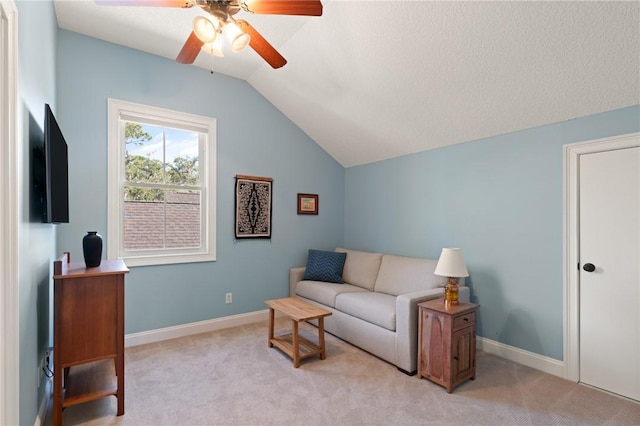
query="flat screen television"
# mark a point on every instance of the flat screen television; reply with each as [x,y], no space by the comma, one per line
[56,171]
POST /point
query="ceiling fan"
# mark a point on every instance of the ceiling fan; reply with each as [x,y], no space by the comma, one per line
[207,30]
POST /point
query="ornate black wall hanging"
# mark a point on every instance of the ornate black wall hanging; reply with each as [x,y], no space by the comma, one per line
[253,206]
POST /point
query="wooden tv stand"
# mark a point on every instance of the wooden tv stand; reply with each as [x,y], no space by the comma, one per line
[88,333]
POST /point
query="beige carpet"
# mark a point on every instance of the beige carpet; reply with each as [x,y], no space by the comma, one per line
[232,377]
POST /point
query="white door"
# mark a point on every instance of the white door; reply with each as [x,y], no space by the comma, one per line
[609,276]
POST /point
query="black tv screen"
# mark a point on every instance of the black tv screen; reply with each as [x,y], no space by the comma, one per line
[56,170]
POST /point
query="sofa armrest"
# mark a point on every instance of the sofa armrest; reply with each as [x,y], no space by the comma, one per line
[295,276]
[407,323]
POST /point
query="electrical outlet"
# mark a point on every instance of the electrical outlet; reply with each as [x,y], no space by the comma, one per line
[45,365]
[41,368]
[228,298]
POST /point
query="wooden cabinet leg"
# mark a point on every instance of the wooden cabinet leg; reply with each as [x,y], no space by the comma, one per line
[120,378]
[57,395]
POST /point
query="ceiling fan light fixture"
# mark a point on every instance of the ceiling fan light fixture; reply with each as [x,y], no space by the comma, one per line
[238,39]
[204,29]
[214,48]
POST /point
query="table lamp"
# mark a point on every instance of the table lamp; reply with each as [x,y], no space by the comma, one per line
[451,265]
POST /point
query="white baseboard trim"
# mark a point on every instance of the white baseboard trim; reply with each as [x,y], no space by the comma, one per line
[44,404]
[160,334]
[530,359]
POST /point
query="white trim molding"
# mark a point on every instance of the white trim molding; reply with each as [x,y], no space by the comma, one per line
[9,330]
[572,153]
[119,113]
[530,359]
[44,404]
[183,330]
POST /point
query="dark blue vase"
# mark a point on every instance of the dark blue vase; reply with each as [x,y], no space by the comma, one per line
[92,249]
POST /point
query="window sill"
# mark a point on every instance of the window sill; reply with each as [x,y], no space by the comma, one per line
[167,259]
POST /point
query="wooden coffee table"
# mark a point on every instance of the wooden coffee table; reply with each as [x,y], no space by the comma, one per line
[294,345]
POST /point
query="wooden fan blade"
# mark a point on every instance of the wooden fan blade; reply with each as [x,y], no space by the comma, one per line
[285,7]
[150,3]
[262,46]
[190,50]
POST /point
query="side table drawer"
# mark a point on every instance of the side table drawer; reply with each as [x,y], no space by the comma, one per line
[465,320]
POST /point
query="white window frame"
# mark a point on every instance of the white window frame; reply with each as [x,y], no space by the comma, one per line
[120,112]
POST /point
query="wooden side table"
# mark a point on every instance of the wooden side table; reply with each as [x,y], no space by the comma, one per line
[294,345]
[88,333]
[447,342]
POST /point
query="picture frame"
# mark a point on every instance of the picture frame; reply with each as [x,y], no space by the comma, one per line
[308,204]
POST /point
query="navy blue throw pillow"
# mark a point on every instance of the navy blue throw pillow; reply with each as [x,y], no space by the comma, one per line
[325,266]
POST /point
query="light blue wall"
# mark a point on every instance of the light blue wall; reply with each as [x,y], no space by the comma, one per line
[501,200]
[37,32]
[253,138]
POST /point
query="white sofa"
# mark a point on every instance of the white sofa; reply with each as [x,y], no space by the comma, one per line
[376,306]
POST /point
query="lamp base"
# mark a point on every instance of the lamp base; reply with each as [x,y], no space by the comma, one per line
[451,292]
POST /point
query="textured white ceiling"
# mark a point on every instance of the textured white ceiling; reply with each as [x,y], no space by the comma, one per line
[372,80]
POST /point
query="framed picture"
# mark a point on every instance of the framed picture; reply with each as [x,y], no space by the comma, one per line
[307,203]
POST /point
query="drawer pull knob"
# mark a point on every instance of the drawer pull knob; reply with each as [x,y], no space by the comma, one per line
[466,319]
[455,357]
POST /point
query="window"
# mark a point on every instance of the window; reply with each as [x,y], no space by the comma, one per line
[161,196]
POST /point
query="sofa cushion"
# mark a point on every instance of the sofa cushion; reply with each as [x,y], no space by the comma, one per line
[399,275]
[325,266]
[361,267]
[376,308]
[323,292]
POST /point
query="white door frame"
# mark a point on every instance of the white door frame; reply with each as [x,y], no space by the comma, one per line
[571,295]
[9,331]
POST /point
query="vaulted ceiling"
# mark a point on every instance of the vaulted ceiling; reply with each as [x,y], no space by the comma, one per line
[372,80]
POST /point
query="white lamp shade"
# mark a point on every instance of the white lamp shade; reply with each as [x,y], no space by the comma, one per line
[237,38]
[204,29]
[451,264]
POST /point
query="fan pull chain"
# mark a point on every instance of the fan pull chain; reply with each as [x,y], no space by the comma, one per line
[212,61]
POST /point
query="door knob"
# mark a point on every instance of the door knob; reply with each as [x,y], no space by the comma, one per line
[589,267]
